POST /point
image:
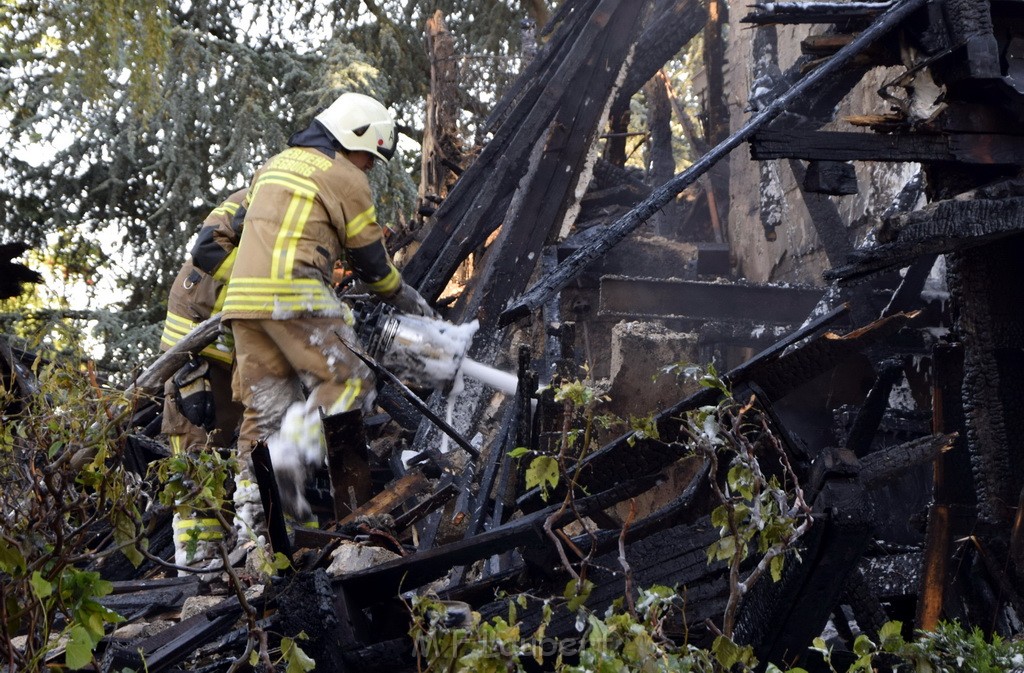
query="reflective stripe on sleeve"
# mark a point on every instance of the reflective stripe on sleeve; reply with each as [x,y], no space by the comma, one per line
[388,283]
[175,329]
[355,226]
[223,271]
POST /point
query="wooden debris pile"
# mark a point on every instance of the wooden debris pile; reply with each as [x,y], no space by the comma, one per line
[894,403]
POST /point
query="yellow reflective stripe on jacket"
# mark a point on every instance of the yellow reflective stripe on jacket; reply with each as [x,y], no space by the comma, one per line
[223,272]
[226,208]
[387,284]
[218,303]
[274,294]
[290,234]
[301,204]
[222,350]
[177,327]
[356,225]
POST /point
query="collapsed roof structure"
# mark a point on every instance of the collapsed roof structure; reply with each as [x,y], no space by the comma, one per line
[893,404]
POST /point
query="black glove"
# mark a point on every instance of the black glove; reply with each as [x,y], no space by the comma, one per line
[408,300]
[193,393]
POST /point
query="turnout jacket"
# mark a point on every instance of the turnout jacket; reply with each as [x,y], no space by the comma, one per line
[199,288]
[305,209]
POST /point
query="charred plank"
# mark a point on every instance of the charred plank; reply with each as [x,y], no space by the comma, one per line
[814,12]
[417,569]
[890,463]
[968,148]
[698,300]
[780,619]
[942,227]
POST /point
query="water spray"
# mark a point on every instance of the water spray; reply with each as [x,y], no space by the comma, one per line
[429,352]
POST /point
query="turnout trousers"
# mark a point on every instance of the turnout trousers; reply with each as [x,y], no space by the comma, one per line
[304,359]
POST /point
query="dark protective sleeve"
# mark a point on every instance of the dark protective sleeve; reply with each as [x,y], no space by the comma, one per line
[370,262]
[208,253]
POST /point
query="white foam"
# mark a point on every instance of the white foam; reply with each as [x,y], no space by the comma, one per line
[489,376]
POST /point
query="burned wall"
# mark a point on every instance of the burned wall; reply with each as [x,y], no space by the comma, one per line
[770,230]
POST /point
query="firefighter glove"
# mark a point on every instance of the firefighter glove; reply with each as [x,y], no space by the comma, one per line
[193,393]
[408,300]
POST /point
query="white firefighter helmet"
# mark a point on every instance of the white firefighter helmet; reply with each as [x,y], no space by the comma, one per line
[360,123]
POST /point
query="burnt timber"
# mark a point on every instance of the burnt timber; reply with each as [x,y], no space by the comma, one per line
[894,493]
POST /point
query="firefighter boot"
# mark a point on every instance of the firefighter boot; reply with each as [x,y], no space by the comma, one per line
[250,521]
[197,540]
[348,460]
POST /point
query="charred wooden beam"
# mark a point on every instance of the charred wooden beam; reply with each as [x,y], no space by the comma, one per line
[971,30]
[561,30]
[862,596]
[907,296]
[392,497]
[937,574]
[780,619]
[819,46]
[890,463]
[698,300]
[151,381]
[417,569]
[669,27]
[870,415]
[444,492]
[169,647]
[968,148]
[942,227]
[270,498]
[993,384]
[545,193]
[779,377]
[569,269]
[134,599]
[470,212]
[815,12]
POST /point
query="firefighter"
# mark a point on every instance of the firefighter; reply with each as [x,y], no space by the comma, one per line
[306,208]
[199,411]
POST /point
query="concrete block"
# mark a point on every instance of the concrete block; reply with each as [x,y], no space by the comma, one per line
[639,351]
[352,556]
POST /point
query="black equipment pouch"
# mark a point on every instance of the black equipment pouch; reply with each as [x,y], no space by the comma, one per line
[194,394]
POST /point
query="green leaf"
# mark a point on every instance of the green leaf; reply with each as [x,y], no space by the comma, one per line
[776,565]
[726,651]
[12,561]
[79,650]
[298,661]
[890,630]
[577,593]
[543,472]
[40,586]
[518,452]
[863,646]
